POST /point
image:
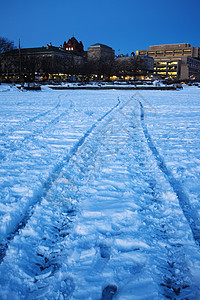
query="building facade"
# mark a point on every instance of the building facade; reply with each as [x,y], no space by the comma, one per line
[46,61]
[100,52]
[176,61]
[100,61]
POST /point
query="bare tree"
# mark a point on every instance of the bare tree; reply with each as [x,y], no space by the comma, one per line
[127,66]
[6,45]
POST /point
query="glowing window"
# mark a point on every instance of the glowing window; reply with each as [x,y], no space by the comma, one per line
[161,63]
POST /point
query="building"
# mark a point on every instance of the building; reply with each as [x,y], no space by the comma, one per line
[176,61]
[73,45]
[57,62]
[100,52]
[189,68]
[49,61]
[100,60]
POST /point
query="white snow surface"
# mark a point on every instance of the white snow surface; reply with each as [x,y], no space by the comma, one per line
[99,194]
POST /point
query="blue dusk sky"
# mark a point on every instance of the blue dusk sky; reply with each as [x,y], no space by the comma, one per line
[125,26]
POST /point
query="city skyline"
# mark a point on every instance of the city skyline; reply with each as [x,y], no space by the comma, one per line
[124,27]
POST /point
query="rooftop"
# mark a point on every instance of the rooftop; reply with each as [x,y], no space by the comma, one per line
[170,46]
[100,45]
[38,50]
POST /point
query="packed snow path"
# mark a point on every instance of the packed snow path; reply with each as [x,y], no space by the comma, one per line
[86,210]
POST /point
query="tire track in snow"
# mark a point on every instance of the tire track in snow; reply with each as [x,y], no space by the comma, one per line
[45,263]
[48,184]
[170,259]
[171,272]
[35,132]
[6,90]
[35,118]
[184,201]
[41,253]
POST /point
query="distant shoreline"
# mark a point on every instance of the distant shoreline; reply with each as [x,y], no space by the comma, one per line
[165,88]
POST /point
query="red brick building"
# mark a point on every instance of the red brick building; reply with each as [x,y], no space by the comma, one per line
[73,45]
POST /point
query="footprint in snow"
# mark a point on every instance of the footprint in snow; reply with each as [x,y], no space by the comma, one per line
[108,292]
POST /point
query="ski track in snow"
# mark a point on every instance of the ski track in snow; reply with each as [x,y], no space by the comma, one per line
[107,224]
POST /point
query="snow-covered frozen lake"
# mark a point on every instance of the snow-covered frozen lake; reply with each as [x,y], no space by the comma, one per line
[99,194]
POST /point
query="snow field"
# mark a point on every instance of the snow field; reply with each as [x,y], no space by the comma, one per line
[101,219]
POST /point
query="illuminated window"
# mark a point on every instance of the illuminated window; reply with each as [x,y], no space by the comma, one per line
[169,53]
[187,52]
[161,63]
[114,77]
[159,53]
[172,63]
[171,68]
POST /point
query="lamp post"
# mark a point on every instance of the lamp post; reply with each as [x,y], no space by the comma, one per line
[20,63]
